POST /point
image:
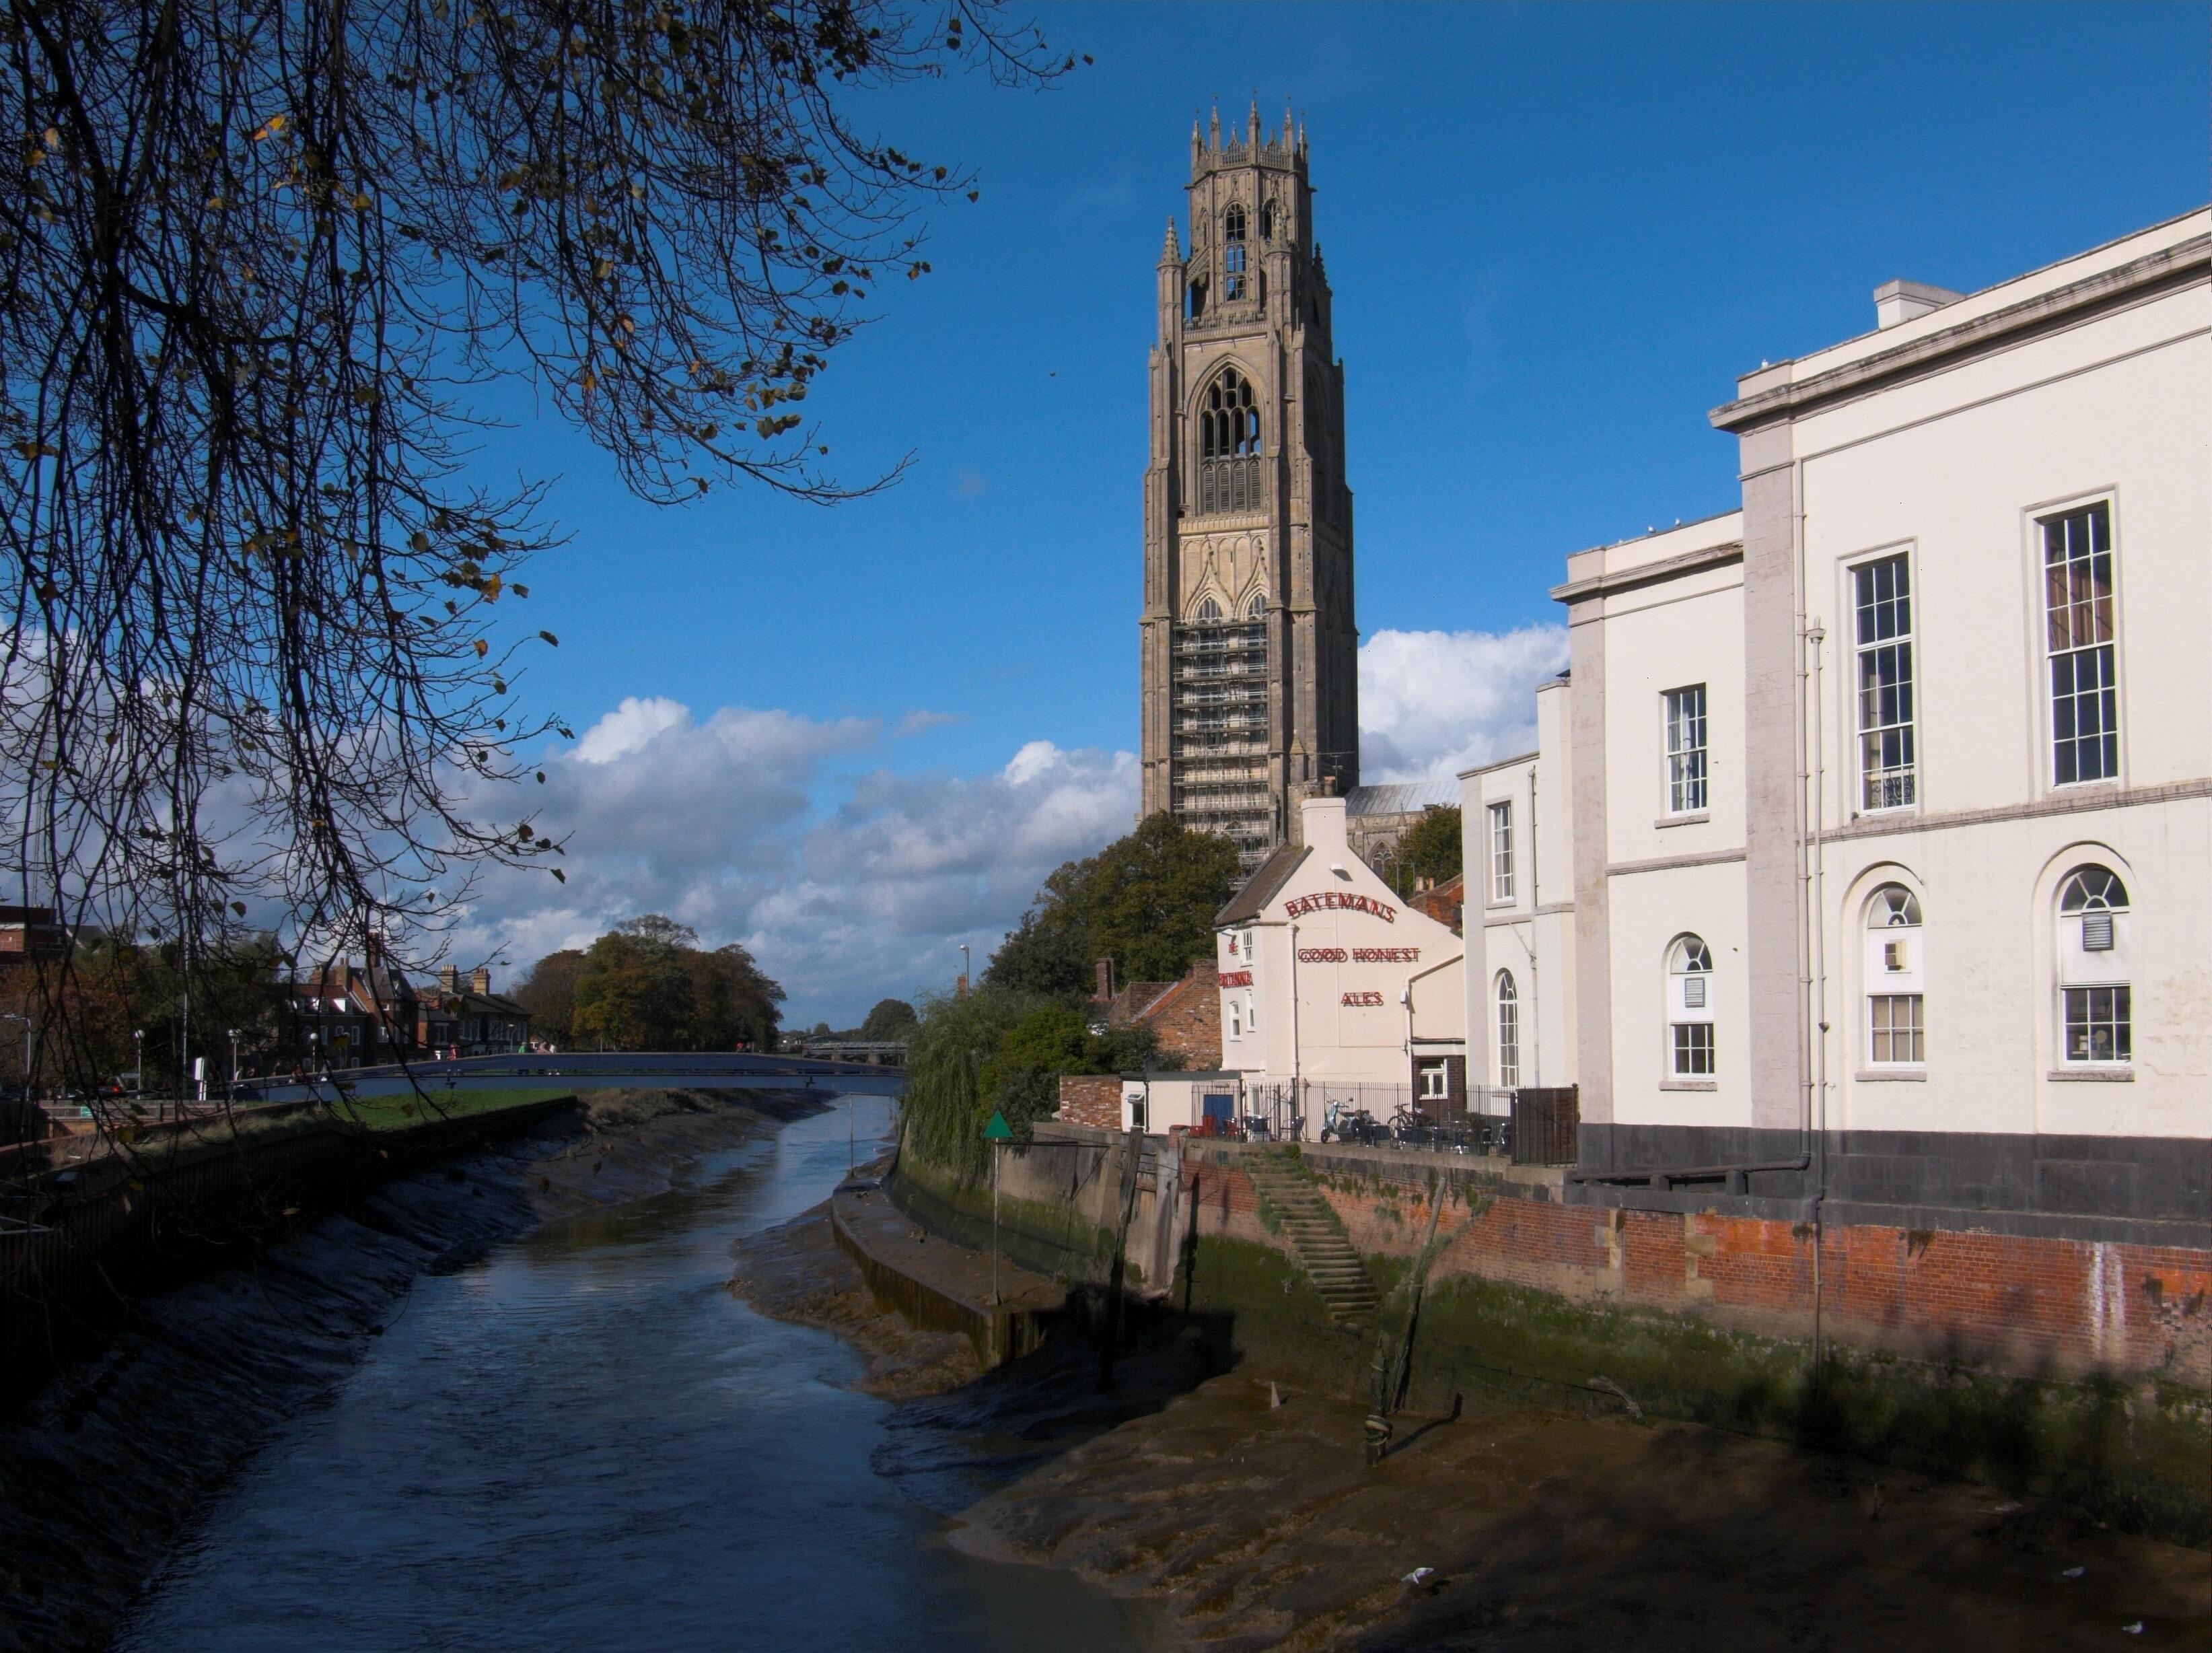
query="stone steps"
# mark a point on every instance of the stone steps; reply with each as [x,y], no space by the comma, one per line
[1317,1238]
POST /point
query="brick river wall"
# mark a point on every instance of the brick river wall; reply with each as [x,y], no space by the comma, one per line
[2013,1304]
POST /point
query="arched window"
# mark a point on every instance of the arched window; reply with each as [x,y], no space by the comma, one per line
[1508,1032]
[1256,606]
[1198,299]
[1267,221]
[1690,1009]
[1897,1034]
[1232,255]
[1209,613]
[1229,445]
[2095,1005]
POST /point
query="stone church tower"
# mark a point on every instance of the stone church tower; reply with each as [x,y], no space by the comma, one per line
[1251,694]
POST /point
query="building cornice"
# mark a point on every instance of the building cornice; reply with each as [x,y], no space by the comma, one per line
[2086,800]
[1668,568]
[2183,264]
[1499,764]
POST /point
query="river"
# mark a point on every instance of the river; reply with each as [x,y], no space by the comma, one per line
[581,1440]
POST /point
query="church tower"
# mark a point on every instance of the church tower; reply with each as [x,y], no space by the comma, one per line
[1250,662]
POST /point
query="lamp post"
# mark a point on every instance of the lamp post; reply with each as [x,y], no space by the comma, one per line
[233,1067]
[964,967]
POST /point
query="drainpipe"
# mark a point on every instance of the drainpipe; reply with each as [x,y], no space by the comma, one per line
[1817,637]
[1535,982]
[1812,992]
[1295,1098]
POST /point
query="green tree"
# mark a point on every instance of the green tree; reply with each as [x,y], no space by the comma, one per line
[733,1003]
[549,994]
[1429,850]
[1147,901]
[947,1103]
[1001,1049]
[634,991]
[891,1018]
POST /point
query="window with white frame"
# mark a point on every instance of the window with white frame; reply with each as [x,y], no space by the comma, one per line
[1686,750]
[1501,852]
[1509,1031]
[1690,1054]
[1882,599]
[1897,1033]
[2096,1003]
[1435,1082]
[1235,1021]
[2085,690]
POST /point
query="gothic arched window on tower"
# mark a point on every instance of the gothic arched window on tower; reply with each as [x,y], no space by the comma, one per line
[1232,255]
[1229,445]
[1268,220]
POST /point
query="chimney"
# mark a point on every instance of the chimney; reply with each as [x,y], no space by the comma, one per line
[449,979]
[480,980]
[1322,819]
[1105,980]
[1900,300]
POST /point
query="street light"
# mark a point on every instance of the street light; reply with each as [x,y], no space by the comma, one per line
[233,1067]
[138,1064]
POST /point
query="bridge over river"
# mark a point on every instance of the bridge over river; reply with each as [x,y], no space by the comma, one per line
[689,1070]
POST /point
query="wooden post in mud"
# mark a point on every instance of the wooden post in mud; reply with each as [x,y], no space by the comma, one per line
[997,1133]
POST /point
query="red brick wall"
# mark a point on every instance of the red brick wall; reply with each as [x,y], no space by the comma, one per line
[1092,1099]
[2024,1304]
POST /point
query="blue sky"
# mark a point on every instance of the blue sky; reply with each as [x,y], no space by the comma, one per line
[1555,234]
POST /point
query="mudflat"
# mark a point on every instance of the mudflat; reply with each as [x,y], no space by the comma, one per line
[796,1273]
[1250,1524]
[1261,1526]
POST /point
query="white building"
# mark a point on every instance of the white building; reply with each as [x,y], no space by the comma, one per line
[1884,819]
[1330,982]
[1517,838]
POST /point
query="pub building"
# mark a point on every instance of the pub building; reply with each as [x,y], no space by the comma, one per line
[1334,990]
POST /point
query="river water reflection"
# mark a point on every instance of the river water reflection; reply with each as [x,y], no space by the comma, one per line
[582,1441]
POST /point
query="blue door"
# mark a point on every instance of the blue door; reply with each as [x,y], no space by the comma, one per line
[1221,1105]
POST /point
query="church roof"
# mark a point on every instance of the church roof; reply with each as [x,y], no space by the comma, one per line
[1404,798]
[1260,889]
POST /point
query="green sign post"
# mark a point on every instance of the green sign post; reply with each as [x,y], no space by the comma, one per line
[997,1133]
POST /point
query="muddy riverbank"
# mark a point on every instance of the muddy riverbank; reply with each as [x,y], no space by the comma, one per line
[1244,1524]
[103,1469]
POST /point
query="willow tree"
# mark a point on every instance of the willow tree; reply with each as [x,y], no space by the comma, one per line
[260,263]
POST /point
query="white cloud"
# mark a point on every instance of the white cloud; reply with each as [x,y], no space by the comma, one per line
[628,727]
[1432,703]
[719,824]
[848,888]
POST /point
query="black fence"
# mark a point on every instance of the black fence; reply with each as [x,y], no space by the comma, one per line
[1547,1123]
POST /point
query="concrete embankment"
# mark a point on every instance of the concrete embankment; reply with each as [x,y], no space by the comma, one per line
[1531,1301]
[104,1465]
[1004,1310]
